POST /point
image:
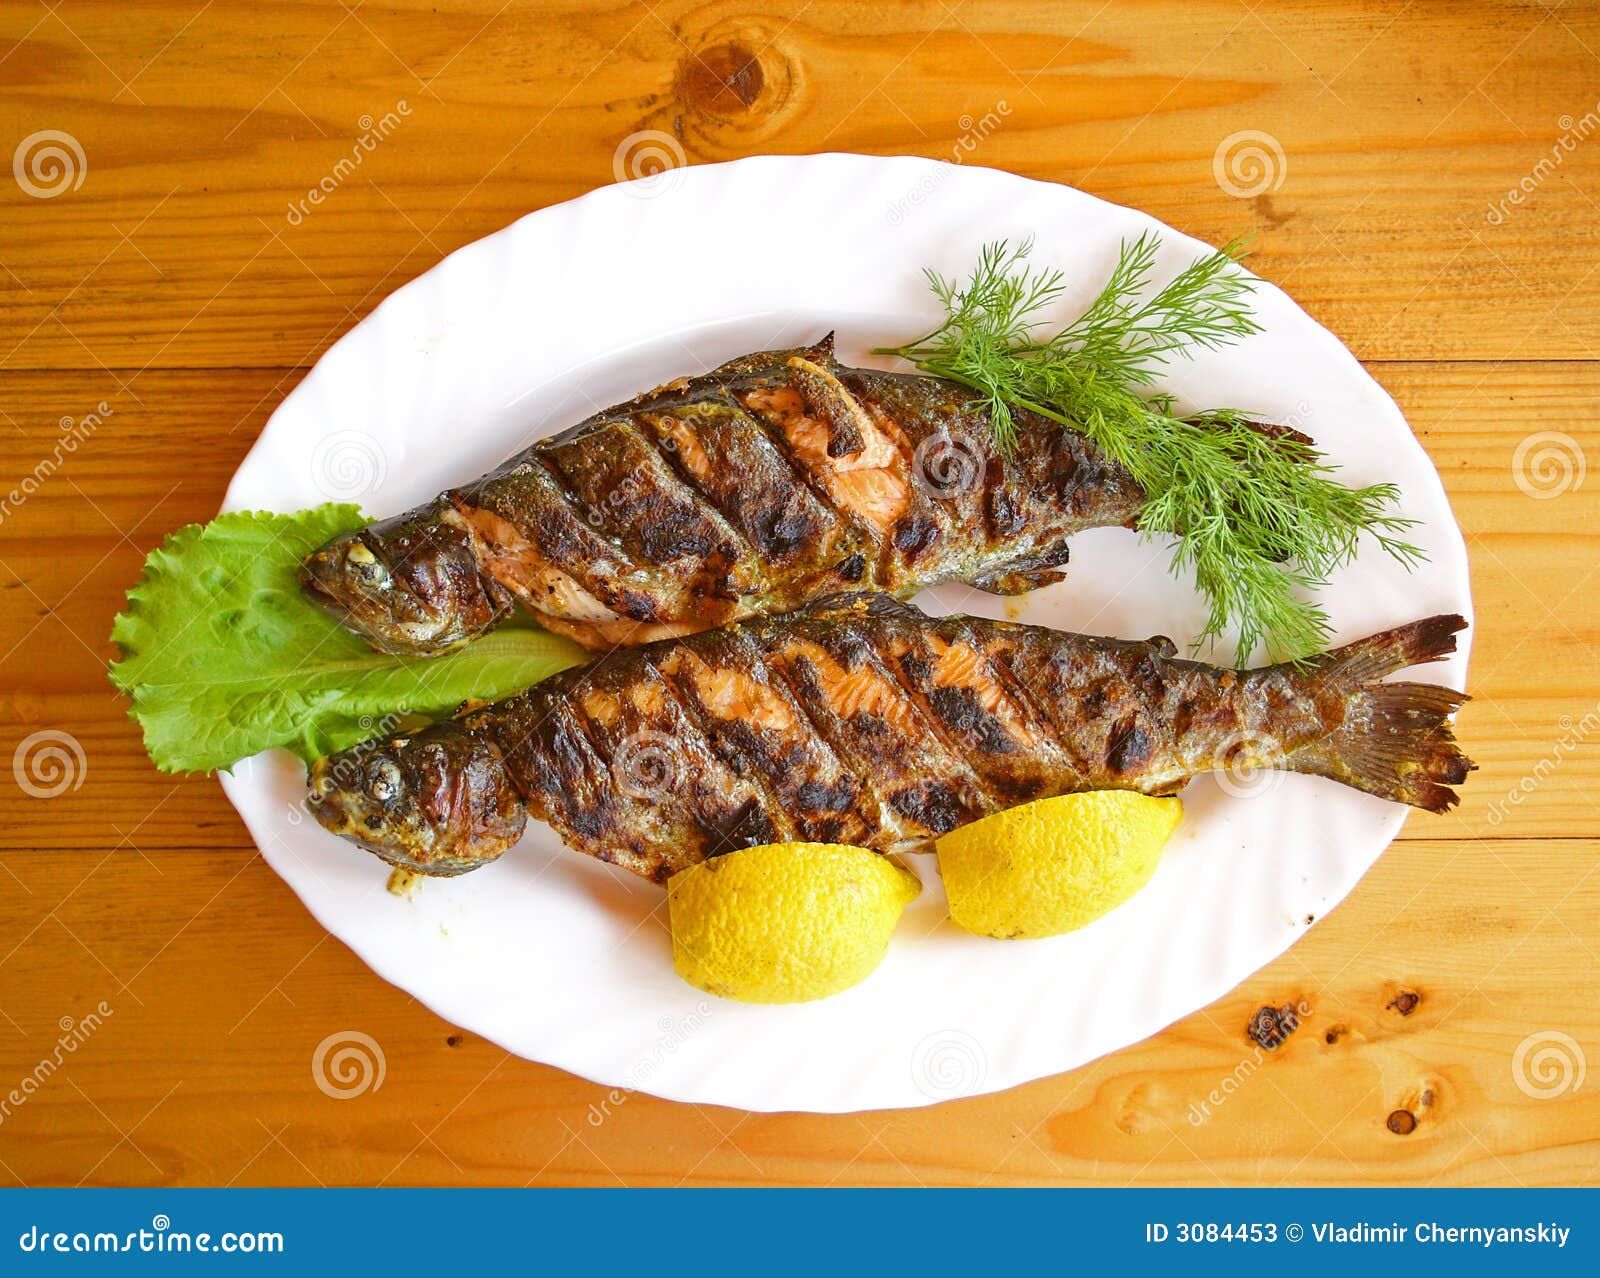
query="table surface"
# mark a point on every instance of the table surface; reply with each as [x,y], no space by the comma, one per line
[1431,195]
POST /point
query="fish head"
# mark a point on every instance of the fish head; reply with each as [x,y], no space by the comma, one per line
[438,803]
[407,586]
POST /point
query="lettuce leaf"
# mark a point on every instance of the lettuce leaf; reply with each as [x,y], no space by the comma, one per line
[223,657]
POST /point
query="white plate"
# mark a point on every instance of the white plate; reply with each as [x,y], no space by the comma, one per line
[562,959]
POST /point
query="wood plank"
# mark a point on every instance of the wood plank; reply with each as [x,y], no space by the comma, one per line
[177,263]
[70,551]
[1401,132]
[219,989]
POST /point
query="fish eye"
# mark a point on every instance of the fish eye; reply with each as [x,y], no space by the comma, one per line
[384,784]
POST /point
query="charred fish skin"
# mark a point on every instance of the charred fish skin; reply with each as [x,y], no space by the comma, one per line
[861,720]
[776,478]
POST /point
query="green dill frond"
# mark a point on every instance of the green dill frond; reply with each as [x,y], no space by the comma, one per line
[1257,516]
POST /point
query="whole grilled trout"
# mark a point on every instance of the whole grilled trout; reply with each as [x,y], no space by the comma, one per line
[777,478]
[861,720]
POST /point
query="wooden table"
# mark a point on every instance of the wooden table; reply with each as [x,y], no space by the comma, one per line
[161,283]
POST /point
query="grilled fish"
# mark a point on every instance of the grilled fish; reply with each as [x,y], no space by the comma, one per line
[861,720]
[777,478]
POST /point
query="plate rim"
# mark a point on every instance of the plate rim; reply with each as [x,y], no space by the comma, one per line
[997,1076]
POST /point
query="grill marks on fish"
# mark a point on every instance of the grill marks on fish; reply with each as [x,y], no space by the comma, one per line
[512,561]
[739,471]
[917,785]
[1114,699]
[967,684]
[861,720]
[626,486]
[531,523]
[667,781]
[678,438]
[858,461]
[760,730]
[777,478]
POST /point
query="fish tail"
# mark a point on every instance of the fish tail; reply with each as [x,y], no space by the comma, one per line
[1395,739]
[1418,642]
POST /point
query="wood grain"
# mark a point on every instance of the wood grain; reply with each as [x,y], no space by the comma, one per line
[172,299]
[220,987]
[1399,129]
[64,568]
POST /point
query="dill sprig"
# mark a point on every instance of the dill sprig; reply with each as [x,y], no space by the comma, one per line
[1257,514]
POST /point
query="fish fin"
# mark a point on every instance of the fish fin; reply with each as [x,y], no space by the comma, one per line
[1430,639]
[1395,740]
[755,364]
[1039,569]
[860,603]
[1272,430]
[1010,582]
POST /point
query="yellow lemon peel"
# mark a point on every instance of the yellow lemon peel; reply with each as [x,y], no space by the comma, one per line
[785,922]
[1054,865]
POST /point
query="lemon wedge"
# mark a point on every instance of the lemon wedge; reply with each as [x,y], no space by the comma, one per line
[1052,866]
[785,922]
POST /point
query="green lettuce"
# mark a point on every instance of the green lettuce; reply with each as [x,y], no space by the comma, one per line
[223,657]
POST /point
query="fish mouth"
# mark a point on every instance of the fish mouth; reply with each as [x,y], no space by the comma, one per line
[387,836]
[336,820]
[393,623]
[324,581]
[431,821]
[408,601]
[329,802]
[316,589]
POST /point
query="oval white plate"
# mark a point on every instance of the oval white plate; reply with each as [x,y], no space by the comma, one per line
[564,960]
